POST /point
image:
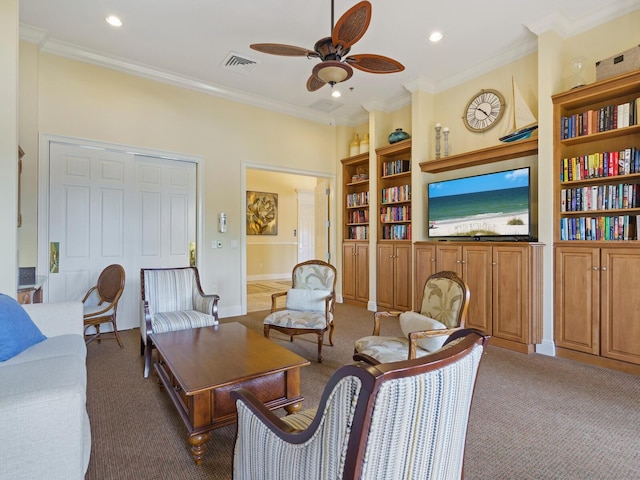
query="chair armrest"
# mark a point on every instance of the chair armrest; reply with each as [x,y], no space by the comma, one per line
[207,303]
[274,300]
[363,357]
[378,315]
[266,416]
[415,336]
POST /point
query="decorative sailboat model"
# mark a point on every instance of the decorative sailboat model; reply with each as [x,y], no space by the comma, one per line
[523,121]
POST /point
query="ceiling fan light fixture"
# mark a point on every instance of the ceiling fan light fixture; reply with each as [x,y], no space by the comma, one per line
[332,72]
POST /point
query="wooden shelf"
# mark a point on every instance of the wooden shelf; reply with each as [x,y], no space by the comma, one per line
[497,153]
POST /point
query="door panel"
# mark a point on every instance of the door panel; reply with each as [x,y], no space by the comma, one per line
[108,206]
[510,289]
[477,275]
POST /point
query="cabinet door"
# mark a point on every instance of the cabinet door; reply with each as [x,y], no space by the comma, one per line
[620,304]
[385,287]
[424,267]
[449,257]
[477,273]
[510,293]
[362,272]
[402,295]
[349,271]
[577,294]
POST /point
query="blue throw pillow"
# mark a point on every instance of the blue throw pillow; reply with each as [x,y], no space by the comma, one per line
[17,330]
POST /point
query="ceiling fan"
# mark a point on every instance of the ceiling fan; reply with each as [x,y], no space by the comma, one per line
[335,65]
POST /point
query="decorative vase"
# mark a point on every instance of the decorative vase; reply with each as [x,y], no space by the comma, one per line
[354,146]
[364,144]
[398,135]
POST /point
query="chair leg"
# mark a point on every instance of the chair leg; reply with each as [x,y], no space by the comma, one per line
[265,329]
[320,342]
[331,334]
[115,332]
[142,345]
[147,358]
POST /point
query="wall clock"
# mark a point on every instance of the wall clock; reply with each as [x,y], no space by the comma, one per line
[484,110]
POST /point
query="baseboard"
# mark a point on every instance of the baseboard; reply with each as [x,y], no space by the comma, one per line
[269,276]
[547,347]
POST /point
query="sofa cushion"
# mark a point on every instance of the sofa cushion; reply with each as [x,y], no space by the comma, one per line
[62,345]
[17,330]
[415,322]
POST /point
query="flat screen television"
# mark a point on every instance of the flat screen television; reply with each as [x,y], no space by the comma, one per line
[489,205]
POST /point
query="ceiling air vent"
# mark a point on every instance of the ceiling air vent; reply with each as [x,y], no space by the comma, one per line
[325,105]
[238,63]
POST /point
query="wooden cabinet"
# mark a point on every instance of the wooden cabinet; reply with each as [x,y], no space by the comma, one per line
[394,275]
[356,229]
[596,211]
[597,308]
[505,281]
[424,265]
[355,272]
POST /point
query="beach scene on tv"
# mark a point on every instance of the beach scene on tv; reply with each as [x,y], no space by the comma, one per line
[495,204]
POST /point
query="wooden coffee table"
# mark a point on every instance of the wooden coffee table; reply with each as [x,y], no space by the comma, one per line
[200,367]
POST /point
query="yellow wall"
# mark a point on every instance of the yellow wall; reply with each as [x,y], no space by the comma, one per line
[274,256]
[79,100]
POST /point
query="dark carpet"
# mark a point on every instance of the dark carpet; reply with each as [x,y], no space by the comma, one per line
[533,417]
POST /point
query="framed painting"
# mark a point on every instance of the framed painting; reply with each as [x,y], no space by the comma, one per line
[262,213]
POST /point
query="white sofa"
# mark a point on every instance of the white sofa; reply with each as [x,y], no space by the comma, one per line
[44,426]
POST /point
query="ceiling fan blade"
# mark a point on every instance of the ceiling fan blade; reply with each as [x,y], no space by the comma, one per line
[352,25]
[314,83]
[281,49]
[371,63]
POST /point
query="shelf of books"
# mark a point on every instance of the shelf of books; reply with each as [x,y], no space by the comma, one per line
[597,161]
[394,182]
[356,197]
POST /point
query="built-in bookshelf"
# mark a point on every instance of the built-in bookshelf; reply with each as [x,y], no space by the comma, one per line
[597,208]
[597,158]
[394,183]
[355,171]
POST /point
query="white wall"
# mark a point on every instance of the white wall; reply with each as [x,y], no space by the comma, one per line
[8,145]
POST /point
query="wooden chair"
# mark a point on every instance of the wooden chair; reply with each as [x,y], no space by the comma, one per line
[172,299]
[445,301]
[100,303]
[405,419]
[309,303]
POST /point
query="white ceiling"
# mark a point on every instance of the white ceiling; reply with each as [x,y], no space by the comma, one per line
[186,43]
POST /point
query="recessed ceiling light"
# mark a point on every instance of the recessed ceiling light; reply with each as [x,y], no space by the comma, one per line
[114,21]
[435,37]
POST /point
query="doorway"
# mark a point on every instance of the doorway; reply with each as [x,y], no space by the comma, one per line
[302,232]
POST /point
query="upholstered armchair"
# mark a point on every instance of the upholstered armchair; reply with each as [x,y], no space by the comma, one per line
[399,420]
[309,303]
[172,299]
[445,300]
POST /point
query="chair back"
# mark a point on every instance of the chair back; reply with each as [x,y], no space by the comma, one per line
[169,289]
[445,298]
[111,284]
[314,275]
[420,410]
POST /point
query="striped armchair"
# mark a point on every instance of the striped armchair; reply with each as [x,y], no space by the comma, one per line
[172,299]
[397,420]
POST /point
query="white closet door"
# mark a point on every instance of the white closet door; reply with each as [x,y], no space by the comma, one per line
[114,207]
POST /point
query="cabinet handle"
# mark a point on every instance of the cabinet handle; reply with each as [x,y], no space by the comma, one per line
[463,261]
[604,269]
[494,263]
[596,268]
[458,261]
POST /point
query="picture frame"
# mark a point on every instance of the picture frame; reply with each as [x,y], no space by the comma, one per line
[262,213]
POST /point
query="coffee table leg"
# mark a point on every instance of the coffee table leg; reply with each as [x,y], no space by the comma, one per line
[293,408]
[198,447]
